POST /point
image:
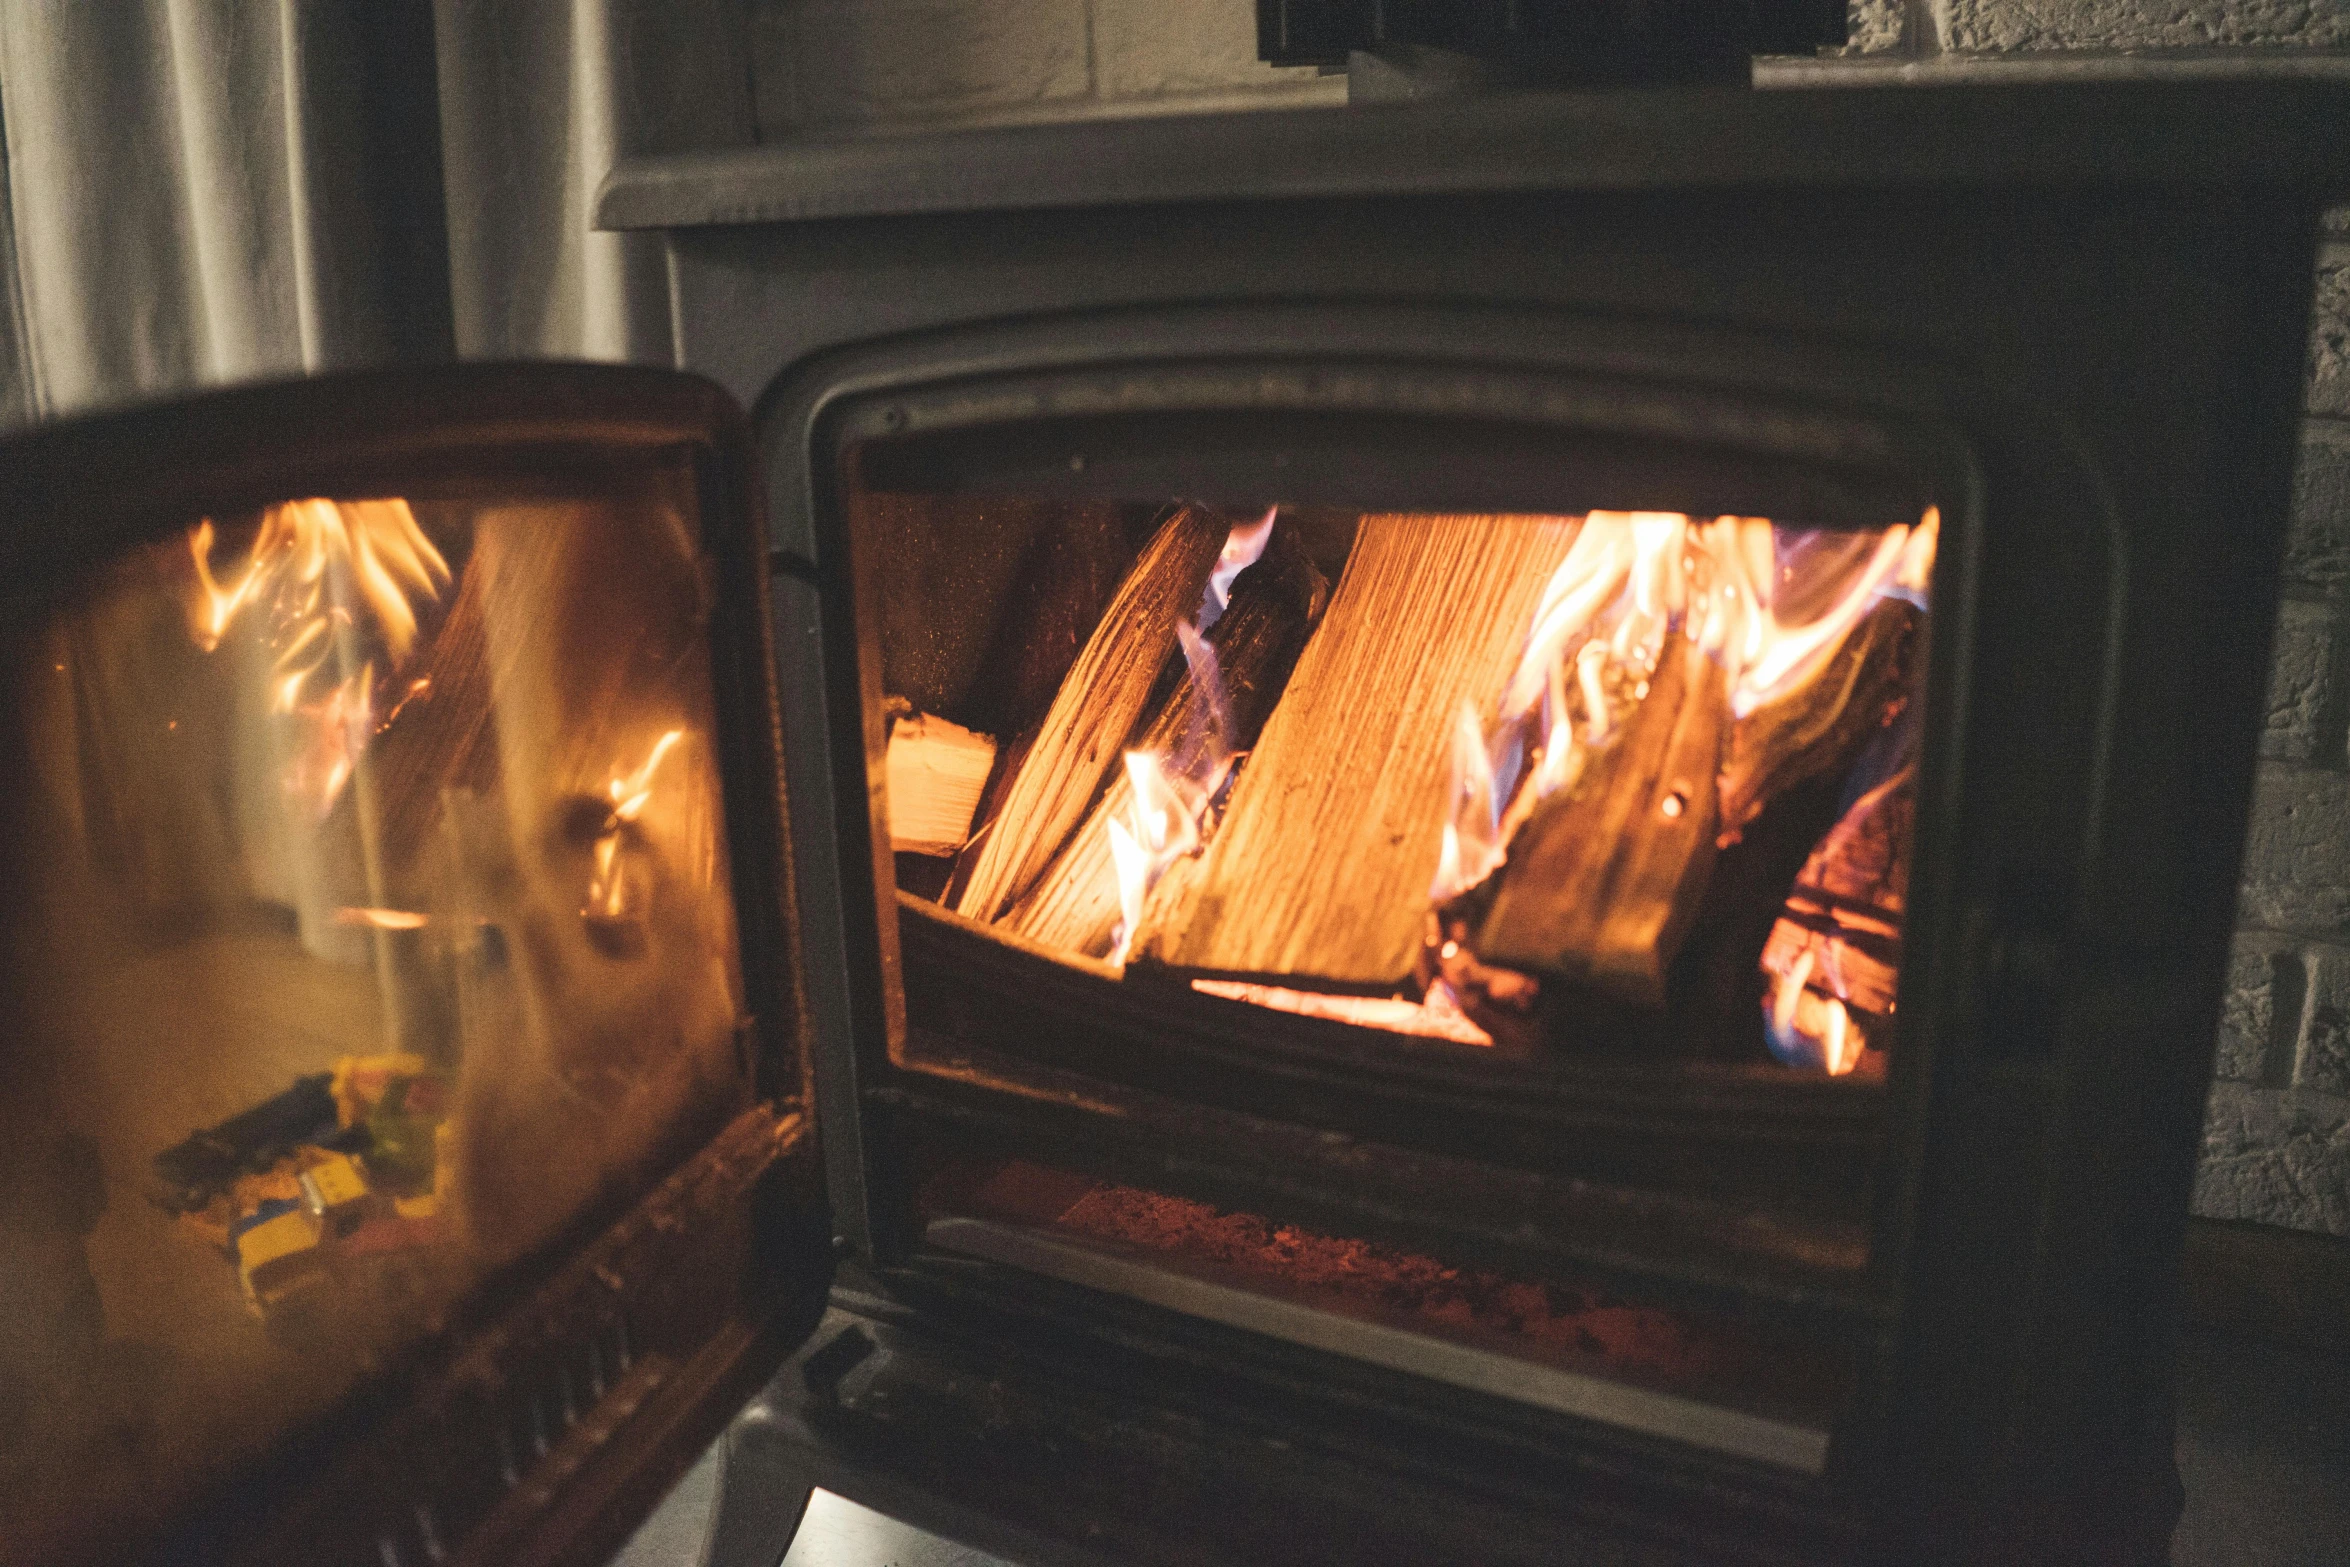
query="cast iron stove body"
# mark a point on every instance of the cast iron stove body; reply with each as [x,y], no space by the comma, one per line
[2072,320]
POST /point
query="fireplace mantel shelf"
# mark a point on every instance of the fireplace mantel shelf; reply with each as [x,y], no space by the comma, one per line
[2226,133]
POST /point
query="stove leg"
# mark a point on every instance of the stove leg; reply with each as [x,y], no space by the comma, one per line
[763,1492]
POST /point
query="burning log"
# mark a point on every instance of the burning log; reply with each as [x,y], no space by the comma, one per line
[1835,954]
[937,771]
[1604,877]
[1273,607]
[1076,748]
[1819,728]
[1320,871]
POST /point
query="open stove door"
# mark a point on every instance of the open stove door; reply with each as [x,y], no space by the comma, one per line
[405,1138]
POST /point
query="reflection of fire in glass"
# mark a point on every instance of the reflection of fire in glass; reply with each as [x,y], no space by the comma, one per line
[1509,761]
[372,922]
[336,585]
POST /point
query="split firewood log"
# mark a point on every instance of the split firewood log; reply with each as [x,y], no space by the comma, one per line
[1070,759]
[1318,876]
[1818,729]
[1273,608]
[937,771]
[1844,914]
[1605,875]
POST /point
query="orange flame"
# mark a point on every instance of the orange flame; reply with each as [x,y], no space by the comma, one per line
[1173,794]
[1166,813]
[629,794]
[335,730]
[311,550]
[1809,1029]
[1630,580]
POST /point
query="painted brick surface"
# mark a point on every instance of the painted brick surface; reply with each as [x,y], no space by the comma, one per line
[1164,48]
[2277,1156]
[2297,853]
[2329,335]
[2322,1061]
[2317,550]
[820,65]
[2301,682]
[2257,980]
[2011,25]
[1873,26]
[854,62]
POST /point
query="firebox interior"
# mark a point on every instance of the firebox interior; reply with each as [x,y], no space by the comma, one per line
[1558,783]
[374,933]
[1486,839]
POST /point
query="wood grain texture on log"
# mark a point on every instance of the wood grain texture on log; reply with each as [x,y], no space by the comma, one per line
[1818,728]
[1071,757]
[1605,875]
[1319,875]
[1273,609]
[937,771]
[1846,906]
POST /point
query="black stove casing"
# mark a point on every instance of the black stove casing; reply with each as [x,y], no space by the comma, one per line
[2076,315]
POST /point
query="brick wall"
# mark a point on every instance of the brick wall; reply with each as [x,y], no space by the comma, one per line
[2277,1140]
[839,65]
[2276,1144]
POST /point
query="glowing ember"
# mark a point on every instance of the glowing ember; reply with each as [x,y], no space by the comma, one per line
[1437,1017]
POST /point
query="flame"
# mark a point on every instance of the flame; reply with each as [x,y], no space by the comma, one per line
[311,550]
[1244,546]
[217,607]
[1630,580]
[1165,827]
[1172,794]
[1808,1029]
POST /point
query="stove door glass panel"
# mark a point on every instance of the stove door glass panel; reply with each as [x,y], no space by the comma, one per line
[1548,782]
[370,917]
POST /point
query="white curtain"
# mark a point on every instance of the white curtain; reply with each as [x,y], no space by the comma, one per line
[540,97]
[205,191]
[186,195]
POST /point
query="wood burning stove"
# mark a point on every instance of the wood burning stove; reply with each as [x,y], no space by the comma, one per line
[1691,660]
